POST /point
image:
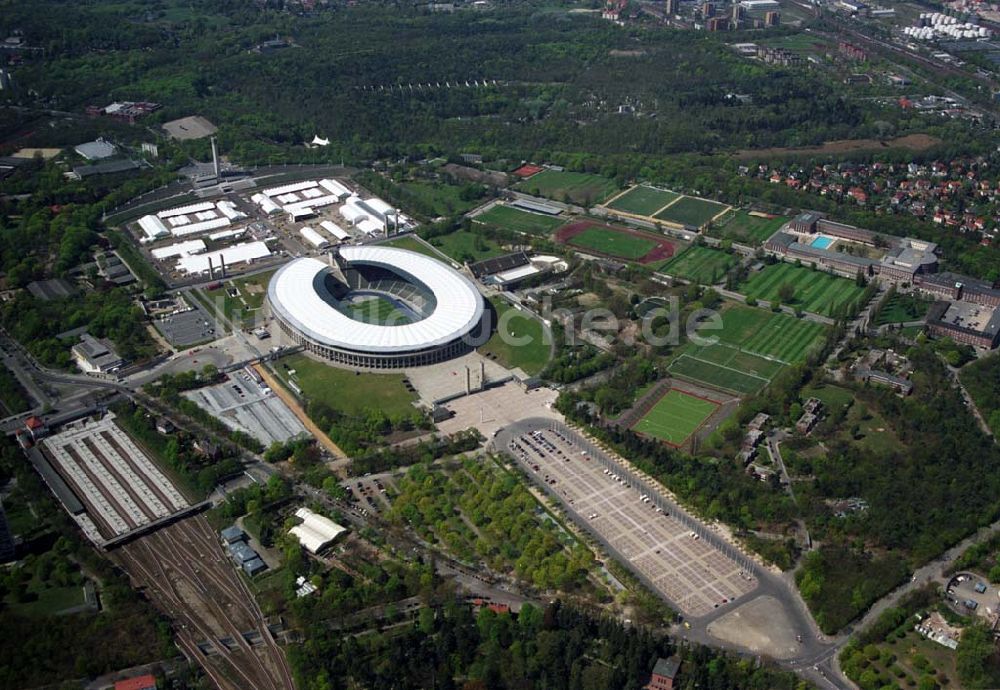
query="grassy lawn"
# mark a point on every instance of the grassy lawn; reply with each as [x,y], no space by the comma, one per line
[815,291]
[902,308]
[519,221]
[691,211]
[465,246]
[571,187]
[613,243]
[643,200]
[444,199]
[833,397]
[531,356]
[675,417]
[347,391]
[699,265]
[50,601]
[413,244]
[745,228]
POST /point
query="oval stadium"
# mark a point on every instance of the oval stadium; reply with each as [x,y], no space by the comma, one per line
[374,307]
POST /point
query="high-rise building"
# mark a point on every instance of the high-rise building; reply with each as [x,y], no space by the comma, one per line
[737,14]
[707,10]
[772,18]
[670,9]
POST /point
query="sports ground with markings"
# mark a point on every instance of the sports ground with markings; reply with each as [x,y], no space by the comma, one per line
[815,291]
[689,210]
[643,200]
[750,349]
[519,221]
[619,243]
[699,265]
[676,416]
[657,204]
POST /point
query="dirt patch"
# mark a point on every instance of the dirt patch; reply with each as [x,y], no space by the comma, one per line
[911,142]
[664,248]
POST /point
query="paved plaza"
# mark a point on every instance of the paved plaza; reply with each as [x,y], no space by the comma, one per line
[664,546]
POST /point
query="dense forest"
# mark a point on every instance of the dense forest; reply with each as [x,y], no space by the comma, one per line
[559,78]
[558,648]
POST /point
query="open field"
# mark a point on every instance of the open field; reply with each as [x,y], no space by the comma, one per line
[514,325]
[691,211]
[815,291]
[699,265]
[642,200]
[518,220]
[676,416]
[620,243]
[571,187]
[910,142]
[465,246]
[349,392]
[747,228]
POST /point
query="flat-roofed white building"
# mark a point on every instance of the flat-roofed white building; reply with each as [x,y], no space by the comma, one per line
[247,252]
[179,249]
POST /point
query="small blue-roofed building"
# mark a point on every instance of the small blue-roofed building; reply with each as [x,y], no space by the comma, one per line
[233,534]
[254,566]
[241,552]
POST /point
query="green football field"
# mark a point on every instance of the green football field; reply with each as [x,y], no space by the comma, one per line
[691,211]
[675,417]
[613,243]
[643,201]
[377,310]
[519,221]
[747,229]
[709,373]
[770,335]
[815,291]
[699,264]
[571,187]
[751,348]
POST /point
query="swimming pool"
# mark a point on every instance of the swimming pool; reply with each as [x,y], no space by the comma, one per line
[821,242]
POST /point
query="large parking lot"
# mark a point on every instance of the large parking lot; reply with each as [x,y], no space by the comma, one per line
[669,550]
[248,406]
[189,327]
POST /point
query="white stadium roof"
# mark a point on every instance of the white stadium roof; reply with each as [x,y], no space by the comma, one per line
[459,305]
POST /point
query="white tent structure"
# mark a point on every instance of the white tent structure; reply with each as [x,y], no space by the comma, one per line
[316,532]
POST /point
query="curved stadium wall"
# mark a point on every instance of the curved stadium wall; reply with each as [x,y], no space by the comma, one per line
[306,300]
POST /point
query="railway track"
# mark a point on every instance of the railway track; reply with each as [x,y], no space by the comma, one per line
[183,561]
